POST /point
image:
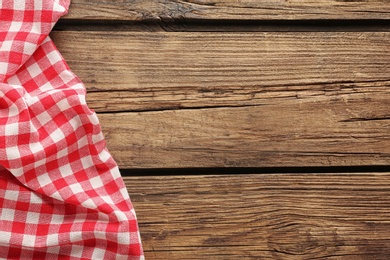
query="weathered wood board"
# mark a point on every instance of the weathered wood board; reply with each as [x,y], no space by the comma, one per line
[264,216]
[173,100]
[140,10]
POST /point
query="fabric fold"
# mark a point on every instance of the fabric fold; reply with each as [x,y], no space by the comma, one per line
[61,193]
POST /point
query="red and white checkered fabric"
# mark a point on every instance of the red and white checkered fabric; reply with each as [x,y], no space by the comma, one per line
[61,193]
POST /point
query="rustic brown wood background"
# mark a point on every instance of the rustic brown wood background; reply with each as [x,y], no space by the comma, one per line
[244,129]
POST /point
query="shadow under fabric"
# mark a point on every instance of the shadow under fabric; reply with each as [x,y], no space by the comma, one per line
[61,193]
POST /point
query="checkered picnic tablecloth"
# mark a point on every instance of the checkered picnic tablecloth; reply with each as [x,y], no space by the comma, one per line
[61,193]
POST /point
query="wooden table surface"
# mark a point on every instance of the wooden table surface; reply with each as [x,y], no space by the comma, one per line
[244,129]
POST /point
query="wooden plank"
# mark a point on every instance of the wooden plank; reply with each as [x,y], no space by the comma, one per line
[184,62]
[237,99]
[155,10]
[352,130]
[267,216]
[160,99]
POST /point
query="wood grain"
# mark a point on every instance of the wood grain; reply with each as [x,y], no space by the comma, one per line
[351,130]
[172,100]
[168,61]
[156,10]
[267,216]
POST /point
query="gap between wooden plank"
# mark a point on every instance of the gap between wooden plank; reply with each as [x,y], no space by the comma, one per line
[226,26]
[254,170]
